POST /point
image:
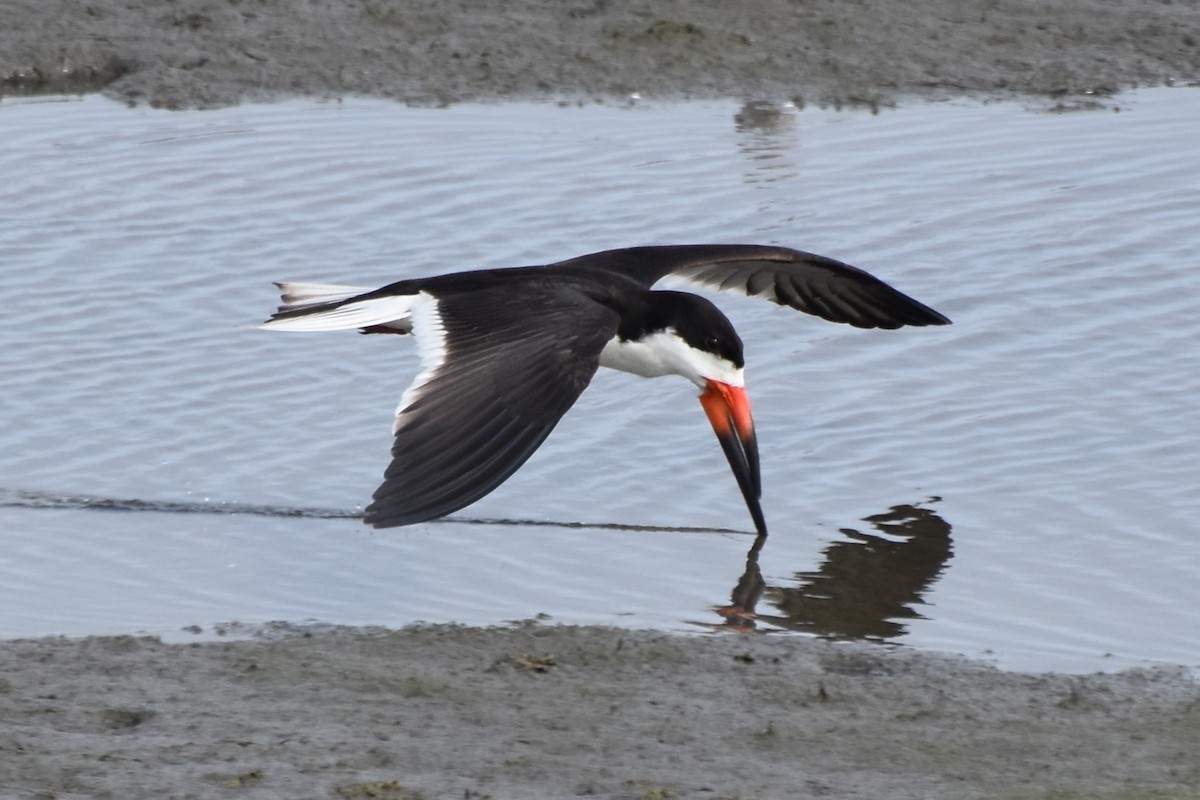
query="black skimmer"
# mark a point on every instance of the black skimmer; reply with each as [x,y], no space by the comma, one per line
[505,352]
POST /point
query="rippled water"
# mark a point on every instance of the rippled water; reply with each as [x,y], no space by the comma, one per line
[1020,485]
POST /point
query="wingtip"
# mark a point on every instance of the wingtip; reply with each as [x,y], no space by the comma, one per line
[379,515]
[902,310]
[933,318]
[372,518]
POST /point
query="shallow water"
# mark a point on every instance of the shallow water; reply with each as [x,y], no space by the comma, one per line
[1020,485]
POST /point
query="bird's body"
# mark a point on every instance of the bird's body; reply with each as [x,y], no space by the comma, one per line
[506,352]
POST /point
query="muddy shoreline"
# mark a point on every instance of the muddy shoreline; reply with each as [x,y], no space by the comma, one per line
[545,711]
[208,53]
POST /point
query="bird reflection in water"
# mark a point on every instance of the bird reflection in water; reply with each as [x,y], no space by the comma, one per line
[768,140]
[864,589]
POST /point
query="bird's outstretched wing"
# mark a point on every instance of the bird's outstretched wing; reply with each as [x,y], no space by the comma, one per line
[804,281]
[496,378]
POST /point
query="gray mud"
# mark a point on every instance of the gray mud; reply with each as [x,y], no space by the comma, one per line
[554,712]
[206,53]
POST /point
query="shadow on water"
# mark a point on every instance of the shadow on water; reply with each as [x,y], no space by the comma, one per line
[864,589]
[18,498]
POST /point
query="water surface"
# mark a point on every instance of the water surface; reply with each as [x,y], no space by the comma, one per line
[1020,485]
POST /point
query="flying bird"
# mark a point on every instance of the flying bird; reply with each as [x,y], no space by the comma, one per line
[505,352]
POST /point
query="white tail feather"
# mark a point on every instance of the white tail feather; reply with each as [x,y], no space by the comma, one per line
[299,295]
[394,311]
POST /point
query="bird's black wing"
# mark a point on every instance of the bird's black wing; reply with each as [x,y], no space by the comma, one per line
[497,376]
[807,282]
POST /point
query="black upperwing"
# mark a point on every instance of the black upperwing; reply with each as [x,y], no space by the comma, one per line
[814,284]
[500,370]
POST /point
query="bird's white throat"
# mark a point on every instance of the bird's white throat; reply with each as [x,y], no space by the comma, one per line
[666,353]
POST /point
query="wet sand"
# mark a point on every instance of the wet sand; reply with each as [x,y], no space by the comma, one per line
[539,710]
[207,53]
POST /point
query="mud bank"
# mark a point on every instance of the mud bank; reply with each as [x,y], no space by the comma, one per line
[545,711]
[206,53]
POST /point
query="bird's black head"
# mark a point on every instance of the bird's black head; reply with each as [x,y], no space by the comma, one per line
[699,323]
